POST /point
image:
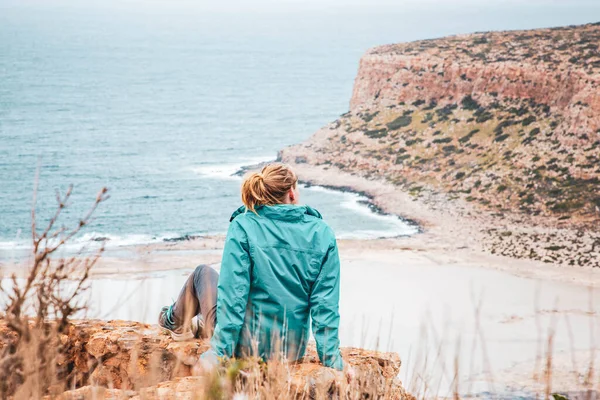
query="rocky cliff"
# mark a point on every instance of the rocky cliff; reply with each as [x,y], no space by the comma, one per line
[121,360]
[557,68]
[507,122]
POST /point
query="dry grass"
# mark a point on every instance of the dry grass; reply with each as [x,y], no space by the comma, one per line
[30,357]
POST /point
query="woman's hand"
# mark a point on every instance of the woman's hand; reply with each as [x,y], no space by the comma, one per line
[206,364]
[350,373]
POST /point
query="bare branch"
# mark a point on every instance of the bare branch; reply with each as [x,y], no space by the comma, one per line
[45,295]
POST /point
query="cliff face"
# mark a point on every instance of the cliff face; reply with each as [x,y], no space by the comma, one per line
[507,121]
[559,68]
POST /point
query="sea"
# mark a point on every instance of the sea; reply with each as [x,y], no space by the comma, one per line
[162,102]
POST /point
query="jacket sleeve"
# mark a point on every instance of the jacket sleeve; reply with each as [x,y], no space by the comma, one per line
[324,308]
[232,292]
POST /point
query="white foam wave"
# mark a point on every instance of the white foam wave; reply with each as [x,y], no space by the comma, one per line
[114,240]
[398,227]
[227,170]
[352,201]
[358,204]
[89,241]
[12,244]
[367,234]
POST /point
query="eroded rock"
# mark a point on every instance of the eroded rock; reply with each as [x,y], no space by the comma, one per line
[122,360]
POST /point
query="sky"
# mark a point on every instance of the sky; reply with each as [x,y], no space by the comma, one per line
[283,5]
[463,16]
[512,14]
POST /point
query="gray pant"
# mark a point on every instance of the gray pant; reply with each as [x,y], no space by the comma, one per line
[198,297]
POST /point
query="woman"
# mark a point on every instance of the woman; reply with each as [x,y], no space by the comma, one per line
[280,266]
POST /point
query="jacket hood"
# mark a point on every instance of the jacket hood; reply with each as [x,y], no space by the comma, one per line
[286,212]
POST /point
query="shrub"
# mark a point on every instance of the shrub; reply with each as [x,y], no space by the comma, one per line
[501,138]
[442,140]
[527,140]
[376,134]
[468,103]
[519,111]
[368,117]
[400,122]
[431,106]
[528,121]
[468,136]
[530,199]
[566,206]
[400,159]
[410,142]
[445,112]
[483,116]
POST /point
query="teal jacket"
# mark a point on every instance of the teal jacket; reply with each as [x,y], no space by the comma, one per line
[280,269]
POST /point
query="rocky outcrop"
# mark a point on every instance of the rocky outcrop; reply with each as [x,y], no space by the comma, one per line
[557,67]
[120,359]
[128,355]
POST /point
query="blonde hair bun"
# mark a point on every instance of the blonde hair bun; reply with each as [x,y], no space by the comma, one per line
[267,187]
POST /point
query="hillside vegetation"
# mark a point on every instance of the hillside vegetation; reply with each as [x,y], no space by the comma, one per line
[507,123]
[503,157]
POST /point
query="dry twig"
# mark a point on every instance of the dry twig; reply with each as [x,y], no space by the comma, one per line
[39,306]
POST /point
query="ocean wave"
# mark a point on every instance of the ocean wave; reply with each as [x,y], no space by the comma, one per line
[14,244]
[391,226]
[369,234]
[360,204]
[88,241]
[399,227]
[228,170]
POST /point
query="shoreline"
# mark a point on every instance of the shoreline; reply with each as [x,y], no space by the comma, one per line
[445,225]
[447,232]
[370,202]
[111,247]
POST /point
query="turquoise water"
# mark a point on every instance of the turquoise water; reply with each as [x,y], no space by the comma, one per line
[162,104]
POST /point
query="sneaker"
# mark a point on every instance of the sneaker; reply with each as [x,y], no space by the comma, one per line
[197,326]
[178,333]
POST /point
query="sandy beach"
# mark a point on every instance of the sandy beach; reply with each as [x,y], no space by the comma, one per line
[420,300]
[449,235]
